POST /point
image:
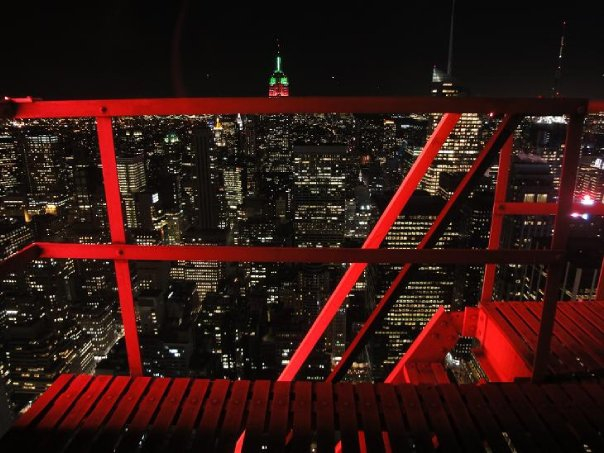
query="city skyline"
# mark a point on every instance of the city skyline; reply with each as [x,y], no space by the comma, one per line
[189,49]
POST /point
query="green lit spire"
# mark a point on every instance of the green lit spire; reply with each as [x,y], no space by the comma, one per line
[278,61]
[278,82]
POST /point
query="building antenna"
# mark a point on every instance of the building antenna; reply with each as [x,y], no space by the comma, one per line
[558,71]
[450,60]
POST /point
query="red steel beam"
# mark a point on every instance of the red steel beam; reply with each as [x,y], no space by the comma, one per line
[18,260]
[519,208]
[291,254]
[600,288]
[118,236]
[501,187]
[290,105]
[568,176]
[374,239]
[483,161]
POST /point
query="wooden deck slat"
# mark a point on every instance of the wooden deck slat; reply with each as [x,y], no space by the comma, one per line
[254,429]
[279,416]
[508,420]
[487,422]
[103,407]
[416,418]
[437,415]
[370,416]
[188,415]
[569,342]
[398,434]
[212,410]
[144,414]
[110,432]
[589,324]
[529,417]
[166,414]
[552,418]
[17,437]
[76,414]
[562,360]
[460,418]
[347,417]
[231,425]
[302,421]
[573,416]
[589,342]
[324,411]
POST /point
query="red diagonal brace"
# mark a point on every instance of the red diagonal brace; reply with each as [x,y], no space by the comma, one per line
[375,238]
[118,236]
[501,186]
[483,161]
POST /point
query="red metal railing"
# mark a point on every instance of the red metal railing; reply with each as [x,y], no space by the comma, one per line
[513,111]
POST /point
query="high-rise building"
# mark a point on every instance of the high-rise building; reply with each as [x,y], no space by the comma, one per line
[278,84]
[319,195]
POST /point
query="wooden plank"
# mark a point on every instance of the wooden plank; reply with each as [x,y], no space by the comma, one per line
[508,420]
[370,416]
[231,424]
[347,417]
[573,416]
[398,434]
[569,342]
[562,357]
[592,411]
[142,419]
[418,426]
[206,432]
[279,417]
[110,433]
[43,401]
[72,420]
[587,317]
[324,416]
[548,412]
[582,332]
[467,432]
[440,373]
[413,373]
[188,415]
[594,310]
[302,421]
[437,415]
[254,428]
[587,344]
[529,417]
[518,324]
[20,433]
[481,413]
[167,412]
[520,346]
[92,424]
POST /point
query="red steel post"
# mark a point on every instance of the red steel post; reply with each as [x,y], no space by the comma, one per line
[497,218]
[118,236]
[570,163]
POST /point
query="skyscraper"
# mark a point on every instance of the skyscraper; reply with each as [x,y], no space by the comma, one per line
[278,84]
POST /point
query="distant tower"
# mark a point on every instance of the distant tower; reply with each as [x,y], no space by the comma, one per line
[278,84]
[558,71]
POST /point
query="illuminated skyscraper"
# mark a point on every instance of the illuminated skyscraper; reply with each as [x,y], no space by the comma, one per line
[278,84]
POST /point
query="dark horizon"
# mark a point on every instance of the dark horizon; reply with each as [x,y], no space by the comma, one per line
[129,49]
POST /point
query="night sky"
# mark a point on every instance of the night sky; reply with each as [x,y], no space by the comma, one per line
[135,48]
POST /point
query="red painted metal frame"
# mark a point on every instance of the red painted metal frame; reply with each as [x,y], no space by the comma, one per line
[480,165]
[374,239]
[503,174]
[118,236]
[289,254]
[284,105]
[568,176]
[519,208]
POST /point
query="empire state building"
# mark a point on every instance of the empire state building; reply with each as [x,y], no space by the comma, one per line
[278,84]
